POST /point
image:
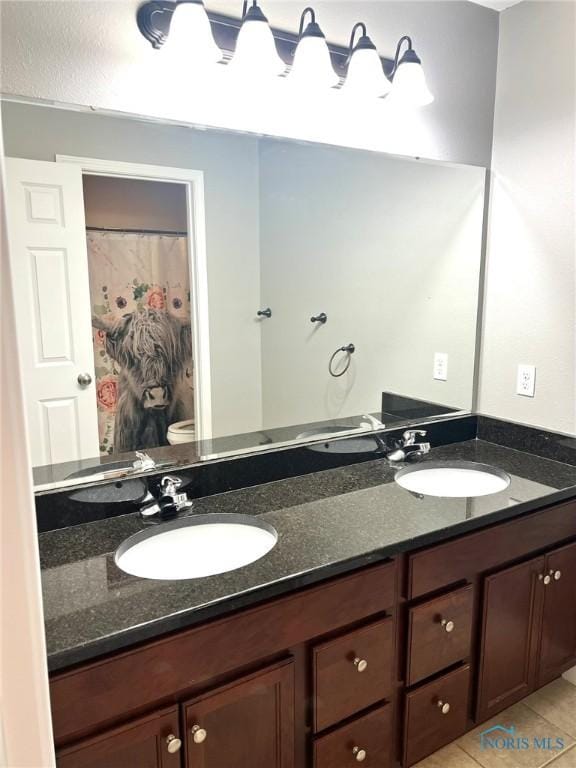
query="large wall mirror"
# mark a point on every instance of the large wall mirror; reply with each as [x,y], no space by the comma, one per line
[188,293]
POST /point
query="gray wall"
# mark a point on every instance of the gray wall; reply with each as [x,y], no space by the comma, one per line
[530,288]
[39,133]
[91,53]
[390,249]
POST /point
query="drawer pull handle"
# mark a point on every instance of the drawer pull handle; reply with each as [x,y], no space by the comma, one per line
[361,665]
[359,754]
[448,625]
[198,734]
[173,743]
[443,706]
[557,575]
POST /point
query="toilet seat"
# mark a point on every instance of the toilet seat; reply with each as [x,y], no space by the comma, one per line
[181,432]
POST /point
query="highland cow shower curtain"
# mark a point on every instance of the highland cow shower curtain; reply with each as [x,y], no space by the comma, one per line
[128,272]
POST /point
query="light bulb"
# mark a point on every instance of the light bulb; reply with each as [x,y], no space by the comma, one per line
[312,67]
[409,85]
[190,38]
[256,53]
[365,75]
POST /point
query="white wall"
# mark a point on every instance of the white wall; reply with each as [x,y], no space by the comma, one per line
[90,52]
[530,287]
[390,249]
[230,163]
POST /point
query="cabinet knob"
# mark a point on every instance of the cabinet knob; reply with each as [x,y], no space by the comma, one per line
[547,579]
[448,625]
[359,754]
[557,575]
[173,743]
[361,665]
[443,706]
[198,734]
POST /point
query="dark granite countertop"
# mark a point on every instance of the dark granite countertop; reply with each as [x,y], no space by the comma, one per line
[328,523]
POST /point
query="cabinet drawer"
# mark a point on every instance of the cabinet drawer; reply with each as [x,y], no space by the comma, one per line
[367,740]
[439,634]
[436,714]
[352,672]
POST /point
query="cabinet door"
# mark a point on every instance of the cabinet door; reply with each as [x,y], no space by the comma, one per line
[149,742]
[512,605]
[245,724]
[558,640]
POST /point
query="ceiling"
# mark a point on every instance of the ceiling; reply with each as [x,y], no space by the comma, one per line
[497,5]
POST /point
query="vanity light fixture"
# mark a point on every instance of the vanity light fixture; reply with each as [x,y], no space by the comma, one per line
[312,67]
[255,53]
[409,82]
[365,75]
[250,47]
[191,39]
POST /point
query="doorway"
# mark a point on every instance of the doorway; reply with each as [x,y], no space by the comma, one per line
[139,277]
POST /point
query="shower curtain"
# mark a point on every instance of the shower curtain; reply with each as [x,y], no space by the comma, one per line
[131,271]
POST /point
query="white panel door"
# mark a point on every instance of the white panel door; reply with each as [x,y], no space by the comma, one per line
[47,239]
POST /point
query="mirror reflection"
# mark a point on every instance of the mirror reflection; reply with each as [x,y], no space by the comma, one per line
[185,293]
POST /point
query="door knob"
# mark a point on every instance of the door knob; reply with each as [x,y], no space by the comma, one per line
[84,379]
[444,707]
[360,664]
[198,734]
[359,754]
[173,744]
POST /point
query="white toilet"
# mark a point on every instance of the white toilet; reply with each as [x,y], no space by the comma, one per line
[181,432]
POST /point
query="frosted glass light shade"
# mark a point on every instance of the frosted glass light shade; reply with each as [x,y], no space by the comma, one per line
[409,86]
[365,74]
[190,38]
[256,53]
[312,67]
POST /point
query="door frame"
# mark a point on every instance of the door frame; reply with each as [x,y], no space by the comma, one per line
[193,181]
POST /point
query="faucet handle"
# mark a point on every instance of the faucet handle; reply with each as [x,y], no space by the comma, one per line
[409,437]
[170,484]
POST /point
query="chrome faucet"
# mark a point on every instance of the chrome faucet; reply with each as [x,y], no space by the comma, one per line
[407,449]
[171,503]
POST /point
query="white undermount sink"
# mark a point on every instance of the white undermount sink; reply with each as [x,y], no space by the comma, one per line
[196,546]
[457,479]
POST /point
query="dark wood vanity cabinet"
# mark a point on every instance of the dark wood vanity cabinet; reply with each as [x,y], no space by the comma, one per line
[528,628]
[381,666]
[306,678]
[557,651]
[147,742]
[509,637]
[251,719]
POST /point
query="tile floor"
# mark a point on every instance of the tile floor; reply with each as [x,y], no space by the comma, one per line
[550,712]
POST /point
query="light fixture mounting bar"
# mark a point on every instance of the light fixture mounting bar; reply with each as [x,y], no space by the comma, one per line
[154,16]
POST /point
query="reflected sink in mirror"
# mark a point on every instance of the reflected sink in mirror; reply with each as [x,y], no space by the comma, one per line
[196,546]
[462,479]
[354,444]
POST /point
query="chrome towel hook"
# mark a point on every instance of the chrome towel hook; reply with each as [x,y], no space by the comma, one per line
[350,349]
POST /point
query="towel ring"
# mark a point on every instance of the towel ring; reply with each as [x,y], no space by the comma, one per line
[350,348]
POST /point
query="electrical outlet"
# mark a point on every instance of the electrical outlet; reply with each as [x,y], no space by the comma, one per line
[526,381]
[440,366]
